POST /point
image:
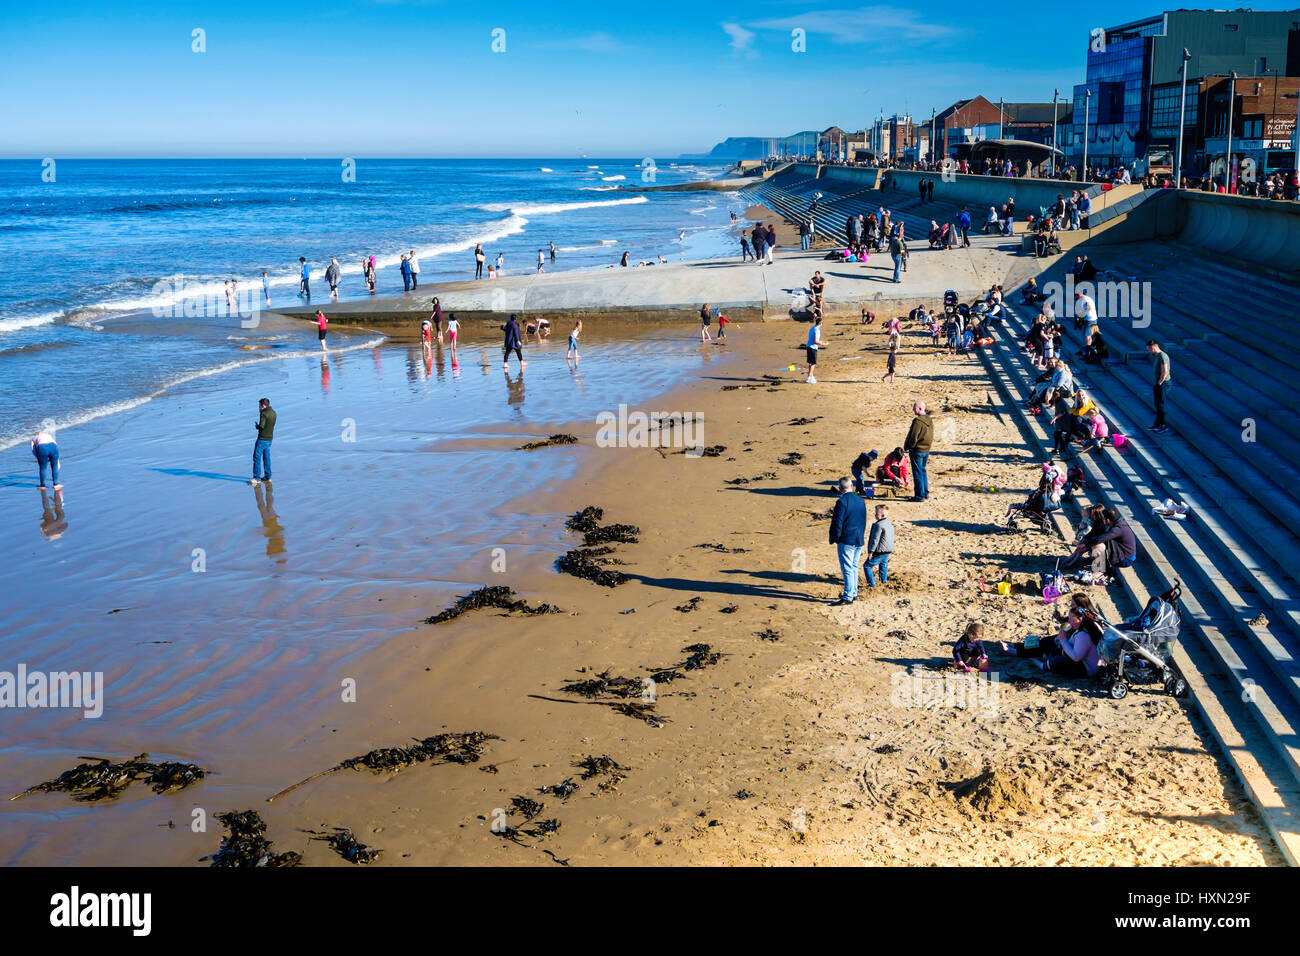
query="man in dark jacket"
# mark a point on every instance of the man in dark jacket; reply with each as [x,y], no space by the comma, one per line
[848,525]
[265,426]
[1113,547]
[513,343]
[917,446]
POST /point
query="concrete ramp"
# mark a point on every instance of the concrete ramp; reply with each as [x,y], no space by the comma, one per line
[1263,233]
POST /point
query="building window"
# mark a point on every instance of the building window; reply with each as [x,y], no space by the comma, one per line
[1164,107]
[1230,27]
[1262,67]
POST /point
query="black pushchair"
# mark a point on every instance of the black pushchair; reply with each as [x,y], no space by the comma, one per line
[1138,651]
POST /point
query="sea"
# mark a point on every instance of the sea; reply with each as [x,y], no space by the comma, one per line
[95,252]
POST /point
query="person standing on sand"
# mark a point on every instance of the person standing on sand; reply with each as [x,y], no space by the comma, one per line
[704,324]
[514,342]
[478,261]
[304,282]
[265,426]
[415,270]
[46,453]
[812,348]
[332,277]
[322,324]
[571,356]
[917,445]
[541,260]
[623,261]
[405,268]
[722,325]
[880,545]
[848,526]
[501,263]
[890,364]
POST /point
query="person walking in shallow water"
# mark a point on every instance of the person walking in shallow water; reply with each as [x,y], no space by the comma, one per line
[478,261]
[304,282]
[514,342]
[46,452]
[571,356]
[704,324]
[265,426]
[322,326]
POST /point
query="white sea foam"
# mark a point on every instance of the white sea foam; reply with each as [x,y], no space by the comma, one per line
[547,169]
[598,189]
[28,321]
[544,209]
[612,179]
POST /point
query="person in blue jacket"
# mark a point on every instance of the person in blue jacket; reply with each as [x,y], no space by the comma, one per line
[848,526]
[963,224]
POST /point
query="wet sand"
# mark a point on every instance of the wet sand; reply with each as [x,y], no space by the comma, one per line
[793,750]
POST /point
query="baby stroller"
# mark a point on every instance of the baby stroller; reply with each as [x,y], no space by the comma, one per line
[950,302]
[1138,651]
[1045,499]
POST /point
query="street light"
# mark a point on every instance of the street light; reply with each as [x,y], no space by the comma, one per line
[1055,94]
[931,134]
[1232,96]
[1182,106]
[1087,102]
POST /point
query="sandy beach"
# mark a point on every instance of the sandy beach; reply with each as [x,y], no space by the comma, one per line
[794,746]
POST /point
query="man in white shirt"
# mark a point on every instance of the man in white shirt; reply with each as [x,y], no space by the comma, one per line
[415,270]
[813,347]
[1085,312]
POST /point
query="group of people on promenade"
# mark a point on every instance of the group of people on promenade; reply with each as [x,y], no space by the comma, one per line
[761,242]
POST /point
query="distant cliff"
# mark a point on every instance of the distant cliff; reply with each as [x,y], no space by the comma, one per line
[757,147]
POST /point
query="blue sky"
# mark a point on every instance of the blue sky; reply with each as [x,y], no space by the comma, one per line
[411,78]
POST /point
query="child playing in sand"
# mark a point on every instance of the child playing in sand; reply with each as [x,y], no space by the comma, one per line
[889,367]
[722,325]
[968,653]
[492,271]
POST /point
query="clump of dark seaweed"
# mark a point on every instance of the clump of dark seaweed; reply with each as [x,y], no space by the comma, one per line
[103,779]
[722,548]
[767,634]
[564,789]
[580,564]
[700,656]
[498,596]
[790,458]
[527,806]
[803,421]
[744,481]
[612,533]
[246,844]
[605,685]
[708,451]
[605,767]
[588,519]
[461,748]
[640,710]
[689,606]
[743,794]
[729,609]
[548,442]
[344,842]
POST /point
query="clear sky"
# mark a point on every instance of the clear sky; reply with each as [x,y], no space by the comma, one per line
[420,78]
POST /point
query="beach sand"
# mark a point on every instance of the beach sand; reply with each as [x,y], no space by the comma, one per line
[799,746]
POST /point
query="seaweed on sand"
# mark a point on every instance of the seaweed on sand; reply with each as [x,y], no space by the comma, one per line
[690,605]
[790,458]
[579,562]
[564,789]
[802,421]
[744,481]
[611,534]
[548,442]
[246,844]
[461,748]
[604,684]
[767,634]
[708,451]
[721,548]
[527,806]
[603,766]
[588,519]
[699,657]
[344,842]
[496,596]
[103,779]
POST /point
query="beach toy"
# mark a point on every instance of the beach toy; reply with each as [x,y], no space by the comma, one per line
[789,368]
[1004,588]
[1119,441]
[1050,594]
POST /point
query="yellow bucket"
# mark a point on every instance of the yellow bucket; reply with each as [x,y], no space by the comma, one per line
[1004,588]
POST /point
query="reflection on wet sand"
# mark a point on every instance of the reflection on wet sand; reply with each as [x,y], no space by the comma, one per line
[515,390]
[324,375]
[271,528]
[53,521]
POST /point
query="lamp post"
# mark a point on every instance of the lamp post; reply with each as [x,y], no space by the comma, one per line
[1232,95]
[1087,103]
[1001,114]
[1182,107]
[932,134]
[1055,95]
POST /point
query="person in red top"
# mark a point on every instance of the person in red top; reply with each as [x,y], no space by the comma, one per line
[894,470]
[321,323]
[722,325]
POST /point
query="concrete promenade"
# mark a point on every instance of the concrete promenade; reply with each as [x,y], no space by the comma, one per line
[743,290]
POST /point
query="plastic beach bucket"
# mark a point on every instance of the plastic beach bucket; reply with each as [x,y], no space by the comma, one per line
[1119,441]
